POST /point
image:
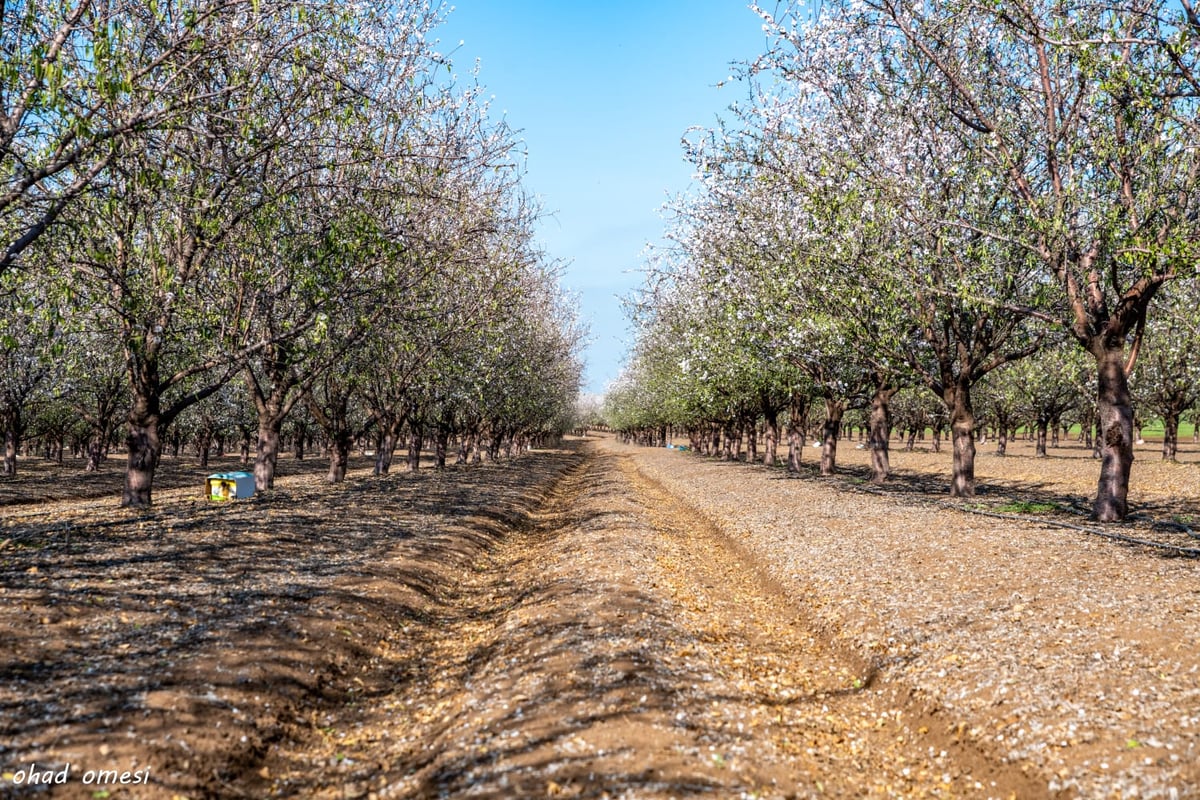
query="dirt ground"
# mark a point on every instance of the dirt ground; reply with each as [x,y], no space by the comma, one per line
[601,621]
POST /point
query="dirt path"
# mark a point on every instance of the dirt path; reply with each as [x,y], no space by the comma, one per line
[600,621]
[623,649]
[1072,655]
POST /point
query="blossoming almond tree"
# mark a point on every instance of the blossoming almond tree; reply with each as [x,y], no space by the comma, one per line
[1167,379]
[79,81]
[879,286]
[1084,111]
[166,242]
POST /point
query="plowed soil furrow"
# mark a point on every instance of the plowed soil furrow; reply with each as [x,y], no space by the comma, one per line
[624,648]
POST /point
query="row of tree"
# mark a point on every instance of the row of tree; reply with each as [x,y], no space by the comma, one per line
[929,195]
[1044,399]
[279,203]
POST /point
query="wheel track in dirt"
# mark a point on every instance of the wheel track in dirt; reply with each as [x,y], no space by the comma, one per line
[623,647]
[855,731]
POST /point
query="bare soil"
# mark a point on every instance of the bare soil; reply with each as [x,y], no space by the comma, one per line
[600,621]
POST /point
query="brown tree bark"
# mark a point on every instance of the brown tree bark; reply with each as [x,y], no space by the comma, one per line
[1115,442]
[332,416]
[267,455]
[384,453]
[1043,426]
[1170,448]
[10,451]
[831,430]
[441,444]
[728,434]
[275,392]
[957,397]
[771,429]
[797,423]
[879,432]
[97,453]
[339,459]
[416,438]
[144,452]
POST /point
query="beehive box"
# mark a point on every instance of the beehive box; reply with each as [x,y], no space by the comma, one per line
[230,486]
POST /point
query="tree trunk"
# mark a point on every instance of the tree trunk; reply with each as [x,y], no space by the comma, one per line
[1170,448]
[1043,426]
[879,426]
[385,451]
[771,424]
[831,429]
[144,449]
[11,443]
[339,458]
[416,438]
[727,446]
[441,446]
[204,441]
[332,417]
[267,455]
[797,422]
[962,433]
[1115,442]
[1002,440]
[466,446]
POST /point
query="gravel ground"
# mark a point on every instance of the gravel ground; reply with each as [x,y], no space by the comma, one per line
[1067,653]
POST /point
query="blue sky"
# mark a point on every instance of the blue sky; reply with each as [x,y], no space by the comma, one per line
[601,93]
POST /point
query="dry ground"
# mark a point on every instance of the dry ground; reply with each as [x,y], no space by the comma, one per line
[606,621]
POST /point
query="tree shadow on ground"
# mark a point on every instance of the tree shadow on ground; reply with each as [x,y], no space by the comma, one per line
[1172,522]
[40,480]
[191,638]
[560,685]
